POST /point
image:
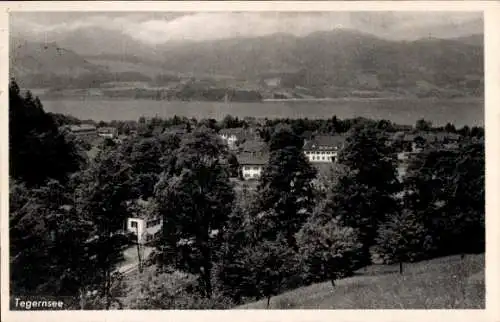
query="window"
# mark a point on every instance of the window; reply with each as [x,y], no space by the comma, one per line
[256,168]
[133,224]
[247,174]
[153,223]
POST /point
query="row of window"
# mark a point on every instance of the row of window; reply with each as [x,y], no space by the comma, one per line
[323,158]
[251,175]
[248,168]
[153,223]
[322,152]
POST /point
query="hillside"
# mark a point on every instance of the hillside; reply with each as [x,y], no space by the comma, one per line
[336,63]
[442,283]
[342,58]
[38,58]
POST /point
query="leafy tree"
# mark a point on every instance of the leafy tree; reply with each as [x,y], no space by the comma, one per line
[329,250]
[148,157]
[446,189]
[195,203]
[286,193]
[366,194]
[47,242]
[423,125]
[403,238]
[450,128]
[263,269]
[102,199]
[238,234]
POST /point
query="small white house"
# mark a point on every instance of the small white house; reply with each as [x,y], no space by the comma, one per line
[145,229]
[107,132]
[252,165]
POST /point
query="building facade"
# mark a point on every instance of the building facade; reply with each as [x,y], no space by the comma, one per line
[146,230]
[234,135]
[323,149]
[252,165]
[107,132]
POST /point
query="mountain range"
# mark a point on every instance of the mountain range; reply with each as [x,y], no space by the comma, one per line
[323,63]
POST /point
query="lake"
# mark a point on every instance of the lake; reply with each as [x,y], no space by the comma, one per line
[464,111]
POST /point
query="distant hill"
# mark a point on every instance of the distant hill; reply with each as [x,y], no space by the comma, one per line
[29,57]
[339,58]
[47,65]
[332,63]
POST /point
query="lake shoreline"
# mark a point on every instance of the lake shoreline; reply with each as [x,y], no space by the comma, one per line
[401,111]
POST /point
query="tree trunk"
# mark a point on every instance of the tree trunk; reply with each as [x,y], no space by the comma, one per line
[139,264]
[401,268]
[207,271]
[268,300]
[333,282]
[462,256]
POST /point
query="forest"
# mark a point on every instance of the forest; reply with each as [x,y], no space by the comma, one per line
[221,247]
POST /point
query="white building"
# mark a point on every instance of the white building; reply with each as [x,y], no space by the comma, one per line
[229,139]
[252,165]
[107,132]
[145,229]
[323,149]
[234,136]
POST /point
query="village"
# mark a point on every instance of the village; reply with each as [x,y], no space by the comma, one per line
[252,155]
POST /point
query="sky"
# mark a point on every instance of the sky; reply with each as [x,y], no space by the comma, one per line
[155,28]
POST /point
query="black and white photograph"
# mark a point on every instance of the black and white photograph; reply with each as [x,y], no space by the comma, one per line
[243,160]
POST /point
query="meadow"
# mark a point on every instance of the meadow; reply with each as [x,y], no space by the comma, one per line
[441,283]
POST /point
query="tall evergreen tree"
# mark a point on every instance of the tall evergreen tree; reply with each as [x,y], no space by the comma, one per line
[33,135]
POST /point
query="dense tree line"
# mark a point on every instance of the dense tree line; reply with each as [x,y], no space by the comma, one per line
[220,246]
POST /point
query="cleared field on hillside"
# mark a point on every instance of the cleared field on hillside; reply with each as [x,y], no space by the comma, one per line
[442,283]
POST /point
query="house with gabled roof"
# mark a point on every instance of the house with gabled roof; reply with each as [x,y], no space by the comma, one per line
[324,148]
[252,164]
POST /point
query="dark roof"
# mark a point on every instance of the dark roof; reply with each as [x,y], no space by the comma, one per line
[252,159]
[106,129]
[82,127]
[431,137]
[324,142]
[235,131]
[253,146]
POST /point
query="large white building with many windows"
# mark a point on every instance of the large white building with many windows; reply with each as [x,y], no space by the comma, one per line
[323,149]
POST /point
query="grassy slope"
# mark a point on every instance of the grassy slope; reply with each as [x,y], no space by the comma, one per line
[443,283]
